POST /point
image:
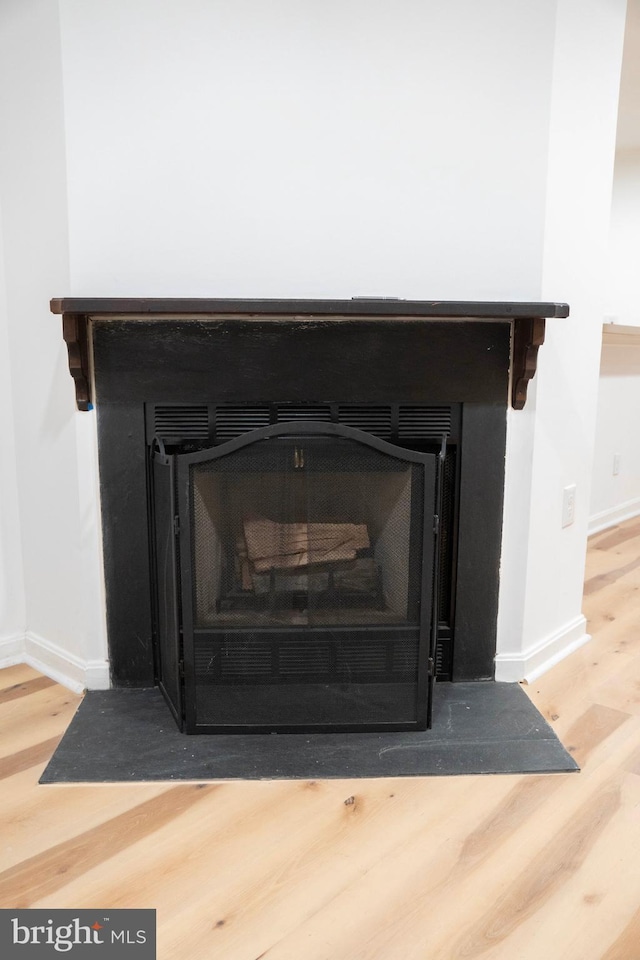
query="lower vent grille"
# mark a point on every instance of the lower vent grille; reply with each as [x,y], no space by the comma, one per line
[317,660]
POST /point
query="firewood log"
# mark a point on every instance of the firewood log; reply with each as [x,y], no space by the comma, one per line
[286,546]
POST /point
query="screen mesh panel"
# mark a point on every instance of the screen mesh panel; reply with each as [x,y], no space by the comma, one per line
[306,576]
[282,536]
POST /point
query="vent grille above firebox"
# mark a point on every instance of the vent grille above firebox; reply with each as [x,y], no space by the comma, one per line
[421,421]
[186,422]
[375,420]
[214,424]
[289,412]
[232,421]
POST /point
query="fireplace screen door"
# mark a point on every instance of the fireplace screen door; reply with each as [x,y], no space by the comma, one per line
[306,582]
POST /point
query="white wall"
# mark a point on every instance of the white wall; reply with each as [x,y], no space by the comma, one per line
[13,616]
[617,497]
[55,566]
[351,147]
[623,280]
[548,568]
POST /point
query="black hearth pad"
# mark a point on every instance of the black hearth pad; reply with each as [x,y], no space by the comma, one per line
[478,728]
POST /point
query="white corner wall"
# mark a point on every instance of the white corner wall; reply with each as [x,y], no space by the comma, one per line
[547,569]
[59,634]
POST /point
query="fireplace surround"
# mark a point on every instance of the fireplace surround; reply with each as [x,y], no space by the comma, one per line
[301,500]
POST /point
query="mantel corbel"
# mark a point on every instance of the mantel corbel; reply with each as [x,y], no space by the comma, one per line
[528,337]
[76,336]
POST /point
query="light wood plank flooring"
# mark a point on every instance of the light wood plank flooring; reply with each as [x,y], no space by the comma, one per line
[511,868]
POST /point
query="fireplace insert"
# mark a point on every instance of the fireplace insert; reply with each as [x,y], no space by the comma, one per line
[298,565]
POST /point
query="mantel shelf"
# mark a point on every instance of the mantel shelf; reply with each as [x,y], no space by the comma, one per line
[356,306]
[527,319]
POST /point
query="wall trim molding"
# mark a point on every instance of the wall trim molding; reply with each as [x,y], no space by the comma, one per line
[613,516]
[527,665]
[621,334]
[48,658]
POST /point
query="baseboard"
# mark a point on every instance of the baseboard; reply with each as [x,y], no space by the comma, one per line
[528,665]
[614,515]
[72,672]
[12,649]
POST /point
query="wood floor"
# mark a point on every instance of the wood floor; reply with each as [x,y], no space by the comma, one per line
[508,867]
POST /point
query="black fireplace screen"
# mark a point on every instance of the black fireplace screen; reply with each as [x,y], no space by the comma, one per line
[306,581]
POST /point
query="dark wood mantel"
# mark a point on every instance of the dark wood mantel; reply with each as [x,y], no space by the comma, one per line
[527,320]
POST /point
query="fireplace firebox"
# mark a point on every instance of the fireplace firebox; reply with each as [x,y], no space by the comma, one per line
[301,500]
[305,580]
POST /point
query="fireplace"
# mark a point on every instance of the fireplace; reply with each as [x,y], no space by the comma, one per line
[301,500]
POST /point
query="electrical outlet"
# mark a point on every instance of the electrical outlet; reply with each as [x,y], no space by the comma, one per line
[616,464]
[568,505]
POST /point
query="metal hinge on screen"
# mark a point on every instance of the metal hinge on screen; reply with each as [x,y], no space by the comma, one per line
[181,669]
[176,526]
[432,666]
[298,459]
